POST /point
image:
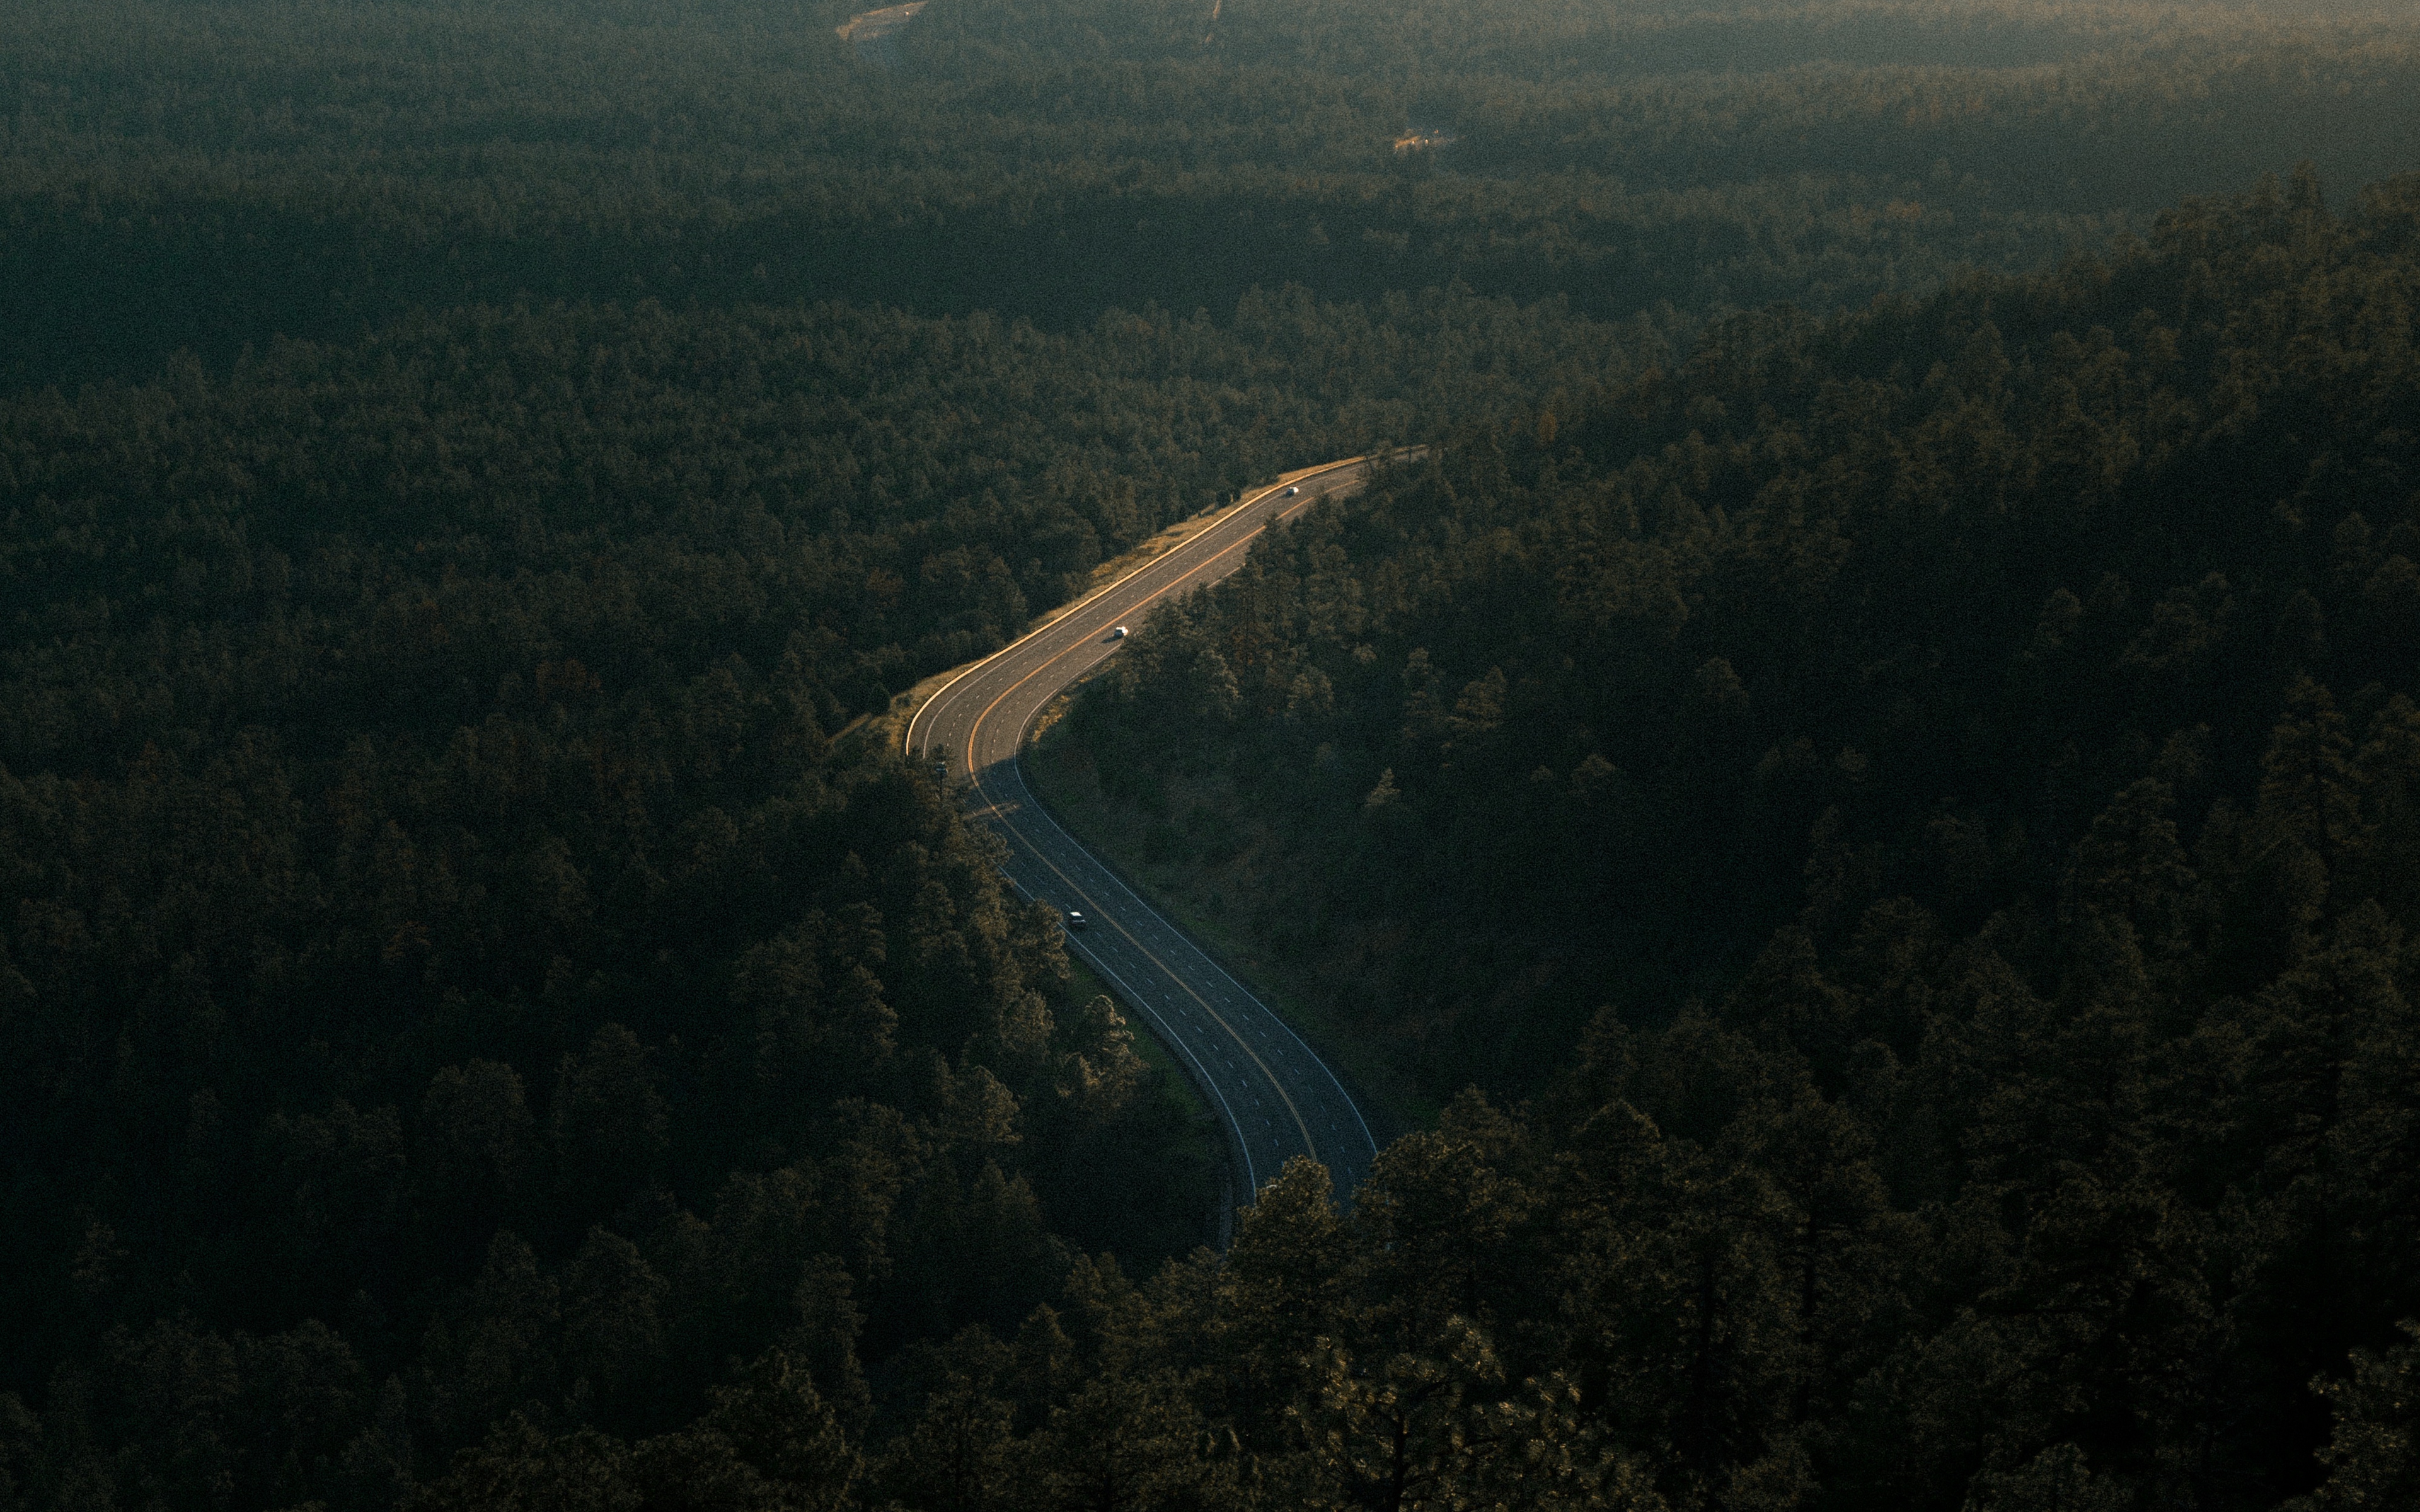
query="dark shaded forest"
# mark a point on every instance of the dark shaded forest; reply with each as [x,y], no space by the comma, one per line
[1892,770]
[1972,748]
[467,953]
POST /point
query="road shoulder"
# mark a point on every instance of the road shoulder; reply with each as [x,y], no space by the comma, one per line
[1058,774]
[894,723]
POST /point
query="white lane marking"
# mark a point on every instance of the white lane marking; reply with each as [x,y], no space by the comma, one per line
[1064,619]
[1251,1182]
[1247,992]
[1060,619]
[1016,771]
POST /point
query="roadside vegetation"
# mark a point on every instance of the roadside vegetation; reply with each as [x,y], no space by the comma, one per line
[1882,753]
[1953,770]
[1203,874]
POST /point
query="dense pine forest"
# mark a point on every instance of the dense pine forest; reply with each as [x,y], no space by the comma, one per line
[212,176]
[464,937]
[1973,747]
[1865,797]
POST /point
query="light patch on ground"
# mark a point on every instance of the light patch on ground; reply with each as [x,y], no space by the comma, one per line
[876,26]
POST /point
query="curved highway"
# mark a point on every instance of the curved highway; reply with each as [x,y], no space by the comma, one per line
[1275,1098]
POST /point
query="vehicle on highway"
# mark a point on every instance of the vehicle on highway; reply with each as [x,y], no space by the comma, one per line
[1291,492]
[1289,1102]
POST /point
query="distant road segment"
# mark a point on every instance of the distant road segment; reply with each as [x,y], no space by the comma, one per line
[1273,1094]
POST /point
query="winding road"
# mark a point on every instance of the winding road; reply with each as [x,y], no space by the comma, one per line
[1273,1096]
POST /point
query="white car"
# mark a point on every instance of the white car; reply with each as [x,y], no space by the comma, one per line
[1076,919]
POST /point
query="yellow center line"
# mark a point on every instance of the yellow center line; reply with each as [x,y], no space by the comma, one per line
[974,732]
[932,706]
[974,729]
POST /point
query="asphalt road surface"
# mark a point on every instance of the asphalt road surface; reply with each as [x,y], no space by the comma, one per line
[1275,1098]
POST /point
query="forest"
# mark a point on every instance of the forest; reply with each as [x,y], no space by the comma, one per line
[466,943]
[176,175]
[1953,772]
[1861,801]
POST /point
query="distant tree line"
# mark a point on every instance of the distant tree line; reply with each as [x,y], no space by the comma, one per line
[484,1023]
[318,170]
